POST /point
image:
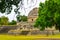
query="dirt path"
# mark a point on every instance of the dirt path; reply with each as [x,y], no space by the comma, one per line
[48,39]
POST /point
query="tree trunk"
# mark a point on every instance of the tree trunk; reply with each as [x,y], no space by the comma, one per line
[52,32]
[59,28]
[47,33]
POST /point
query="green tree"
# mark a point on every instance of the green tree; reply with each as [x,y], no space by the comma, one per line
[3,20]
[24,18]
[6,5]
[21,18]
[49,14]
[18,17]
[13,22]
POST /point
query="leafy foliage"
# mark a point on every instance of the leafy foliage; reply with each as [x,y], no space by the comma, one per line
[6,5]
[13,22]
[49,14]
[21,18]
[3,20]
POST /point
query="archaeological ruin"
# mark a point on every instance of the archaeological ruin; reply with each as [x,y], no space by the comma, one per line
[27,28]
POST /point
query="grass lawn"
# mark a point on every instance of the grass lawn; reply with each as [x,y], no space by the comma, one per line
[29,37]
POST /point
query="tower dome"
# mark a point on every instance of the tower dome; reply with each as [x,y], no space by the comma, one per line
[33,14]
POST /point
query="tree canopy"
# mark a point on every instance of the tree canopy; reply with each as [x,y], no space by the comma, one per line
[13,22]
[49,14]
[21,18]
[6,5]
[3,20]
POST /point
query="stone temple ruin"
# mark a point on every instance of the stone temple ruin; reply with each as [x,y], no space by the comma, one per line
[27,26]
[32,16]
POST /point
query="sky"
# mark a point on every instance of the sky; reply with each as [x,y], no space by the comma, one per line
[12,15]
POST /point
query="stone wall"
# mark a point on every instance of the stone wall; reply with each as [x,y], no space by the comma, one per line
[5,29]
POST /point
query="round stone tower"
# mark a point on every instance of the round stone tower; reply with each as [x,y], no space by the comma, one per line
[33,14]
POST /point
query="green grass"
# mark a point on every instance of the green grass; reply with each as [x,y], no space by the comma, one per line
[29,37]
